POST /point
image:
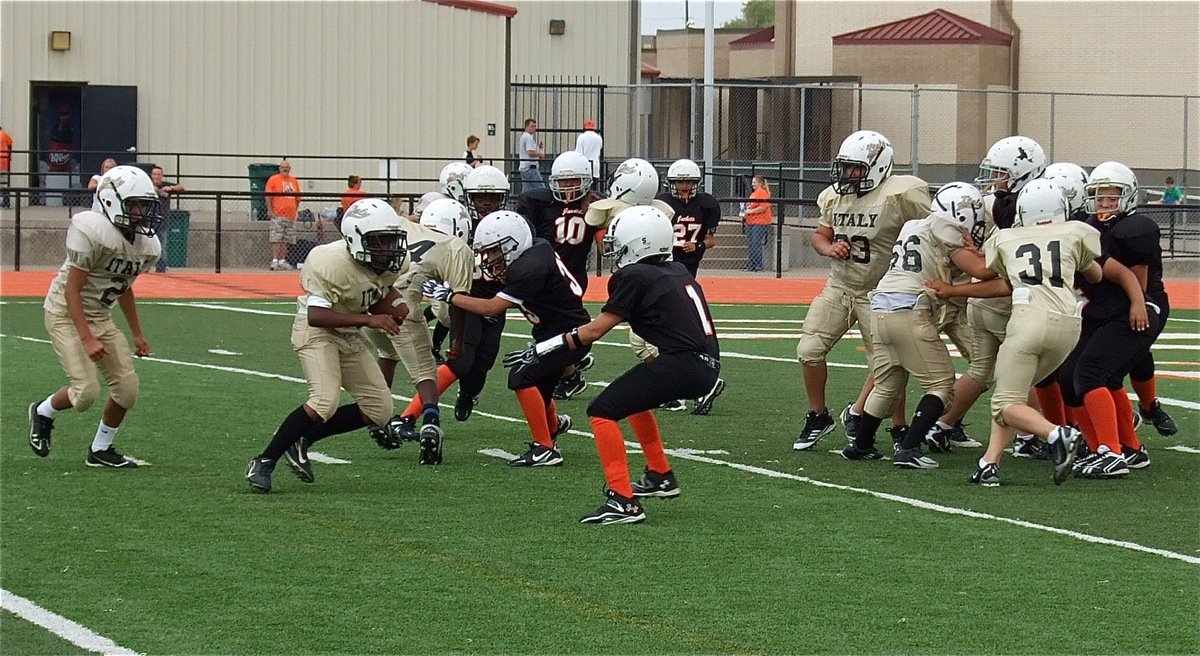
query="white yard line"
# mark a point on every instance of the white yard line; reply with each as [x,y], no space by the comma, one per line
[72,632]
[693,455]
[1183,449]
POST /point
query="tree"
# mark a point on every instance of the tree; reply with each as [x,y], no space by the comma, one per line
[755,13]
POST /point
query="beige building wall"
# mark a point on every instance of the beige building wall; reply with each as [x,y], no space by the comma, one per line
[681,52]
[752,62]
[270,79]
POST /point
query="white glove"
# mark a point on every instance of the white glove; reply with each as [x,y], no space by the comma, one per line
[438,291]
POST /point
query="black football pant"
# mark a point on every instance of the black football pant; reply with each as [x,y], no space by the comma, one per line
[1105,354]
[481,345]
[545,374]
[668,377]
[1143,368]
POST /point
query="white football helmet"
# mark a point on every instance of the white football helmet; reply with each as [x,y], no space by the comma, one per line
[863,162]
[1012,161]
[500,238]
[451,180]
[448,217]
[1041,202]
[683,170]
[425,200]
[1100,198]
[570,176]
[635,182]
[128,198]
[375,235]
[638,233]
[1073,180]
[964,203]
[486,190]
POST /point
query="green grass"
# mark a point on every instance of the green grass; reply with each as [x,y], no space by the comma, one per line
[385,556]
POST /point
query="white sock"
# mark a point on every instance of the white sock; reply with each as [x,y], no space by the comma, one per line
[46,410]
[104,437]
[853,413]
[1054,436]
[983,463]
[944,426]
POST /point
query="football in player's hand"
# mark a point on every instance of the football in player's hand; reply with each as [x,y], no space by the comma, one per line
[392,303]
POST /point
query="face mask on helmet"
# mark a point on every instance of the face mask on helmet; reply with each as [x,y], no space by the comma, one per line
[500,238]
[863,162]
[964,204]
[385,250]
[570,177]
[1009,164]
[683,179]
[1112,191]
[130,201]
[486,188]
[451,179]
[374,236]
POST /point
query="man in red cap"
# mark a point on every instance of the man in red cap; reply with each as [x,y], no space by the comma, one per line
[589,144]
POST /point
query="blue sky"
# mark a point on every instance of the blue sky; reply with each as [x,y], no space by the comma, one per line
[669,14]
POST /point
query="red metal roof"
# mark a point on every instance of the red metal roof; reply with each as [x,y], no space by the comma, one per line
[761,39]
[650,71]
[938,26]
[494,8]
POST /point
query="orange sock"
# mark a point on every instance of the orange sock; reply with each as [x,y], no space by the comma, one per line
[1100,410]
[646,430]
[445,378]
[1125,419]
[1081,419]
[535,415]
[552,416]
[1146,392]
[611,447]
[1051,399]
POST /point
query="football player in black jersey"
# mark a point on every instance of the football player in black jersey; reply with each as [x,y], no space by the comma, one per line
[662,302]
[536,281]
[557,215]
[1092,378]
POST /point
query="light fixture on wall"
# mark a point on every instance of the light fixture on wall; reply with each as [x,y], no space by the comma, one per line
[558,27]
[60,41]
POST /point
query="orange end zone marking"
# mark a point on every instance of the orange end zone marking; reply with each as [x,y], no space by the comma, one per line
[1185,294]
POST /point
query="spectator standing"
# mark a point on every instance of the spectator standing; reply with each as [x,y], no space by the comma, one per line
[165,189]
[94,183]
[589,144]
[531,153]
[353,192]
[283,210]
[469,155]
[1172,195]
[758,222]
[6,144]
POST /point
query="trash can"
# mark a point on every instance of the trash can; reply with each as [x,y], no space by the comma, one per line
[259,174]
[178,222]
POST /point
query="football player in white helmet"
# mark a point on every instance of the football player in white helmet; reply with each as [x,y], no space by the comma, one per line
[1073,180]
[862,212]
[423,202]
[663,302]
[452,180]
[347,285]
[535,281]
[106,251]
[486,190]
[1011,163]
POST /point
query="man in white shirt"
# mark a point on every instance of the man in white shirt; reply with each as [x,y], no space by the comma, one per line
[530,154]
[589,144]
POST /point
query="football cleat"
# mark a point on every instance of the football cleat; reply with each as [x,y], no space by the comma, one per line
[914,459]
[1082,460]
[1138,421]
[852,452]
[1106,464]
[1062,448]
[39,431]
[987,476]
[258,473]
[816,426]
[1029,446]
[431,445]
[585,363]
[570,386]
[897,433]
[564,425]
[1136,458]
[616,510]
[404,428]
[938,439]
[674,406]
[654,484]
[463,405]
[850,421]
[297,459]
[537,456]
[384,437]
[704,404]
[1159,417]
[109,457]
[960,439]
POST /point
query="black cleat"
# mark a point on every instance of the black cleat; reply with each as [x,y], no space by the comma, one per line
[1063,449]
[674,406]
[404,428]
[1105,464]
[39,431]
[1030,447]
[704,404]
[1139,459]
[816,426]
[585,363]
[570,386]
[258,473]
[987,476]
[616,510]
[850,421]
[297,459]
[897,433]
[537,456]
[463,405]
[431,445]
[654,484]
[109,457]
[913,459]
[384,436]
[564,425]
[960,439]
[852,452]
[938,439]
[1159,417]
